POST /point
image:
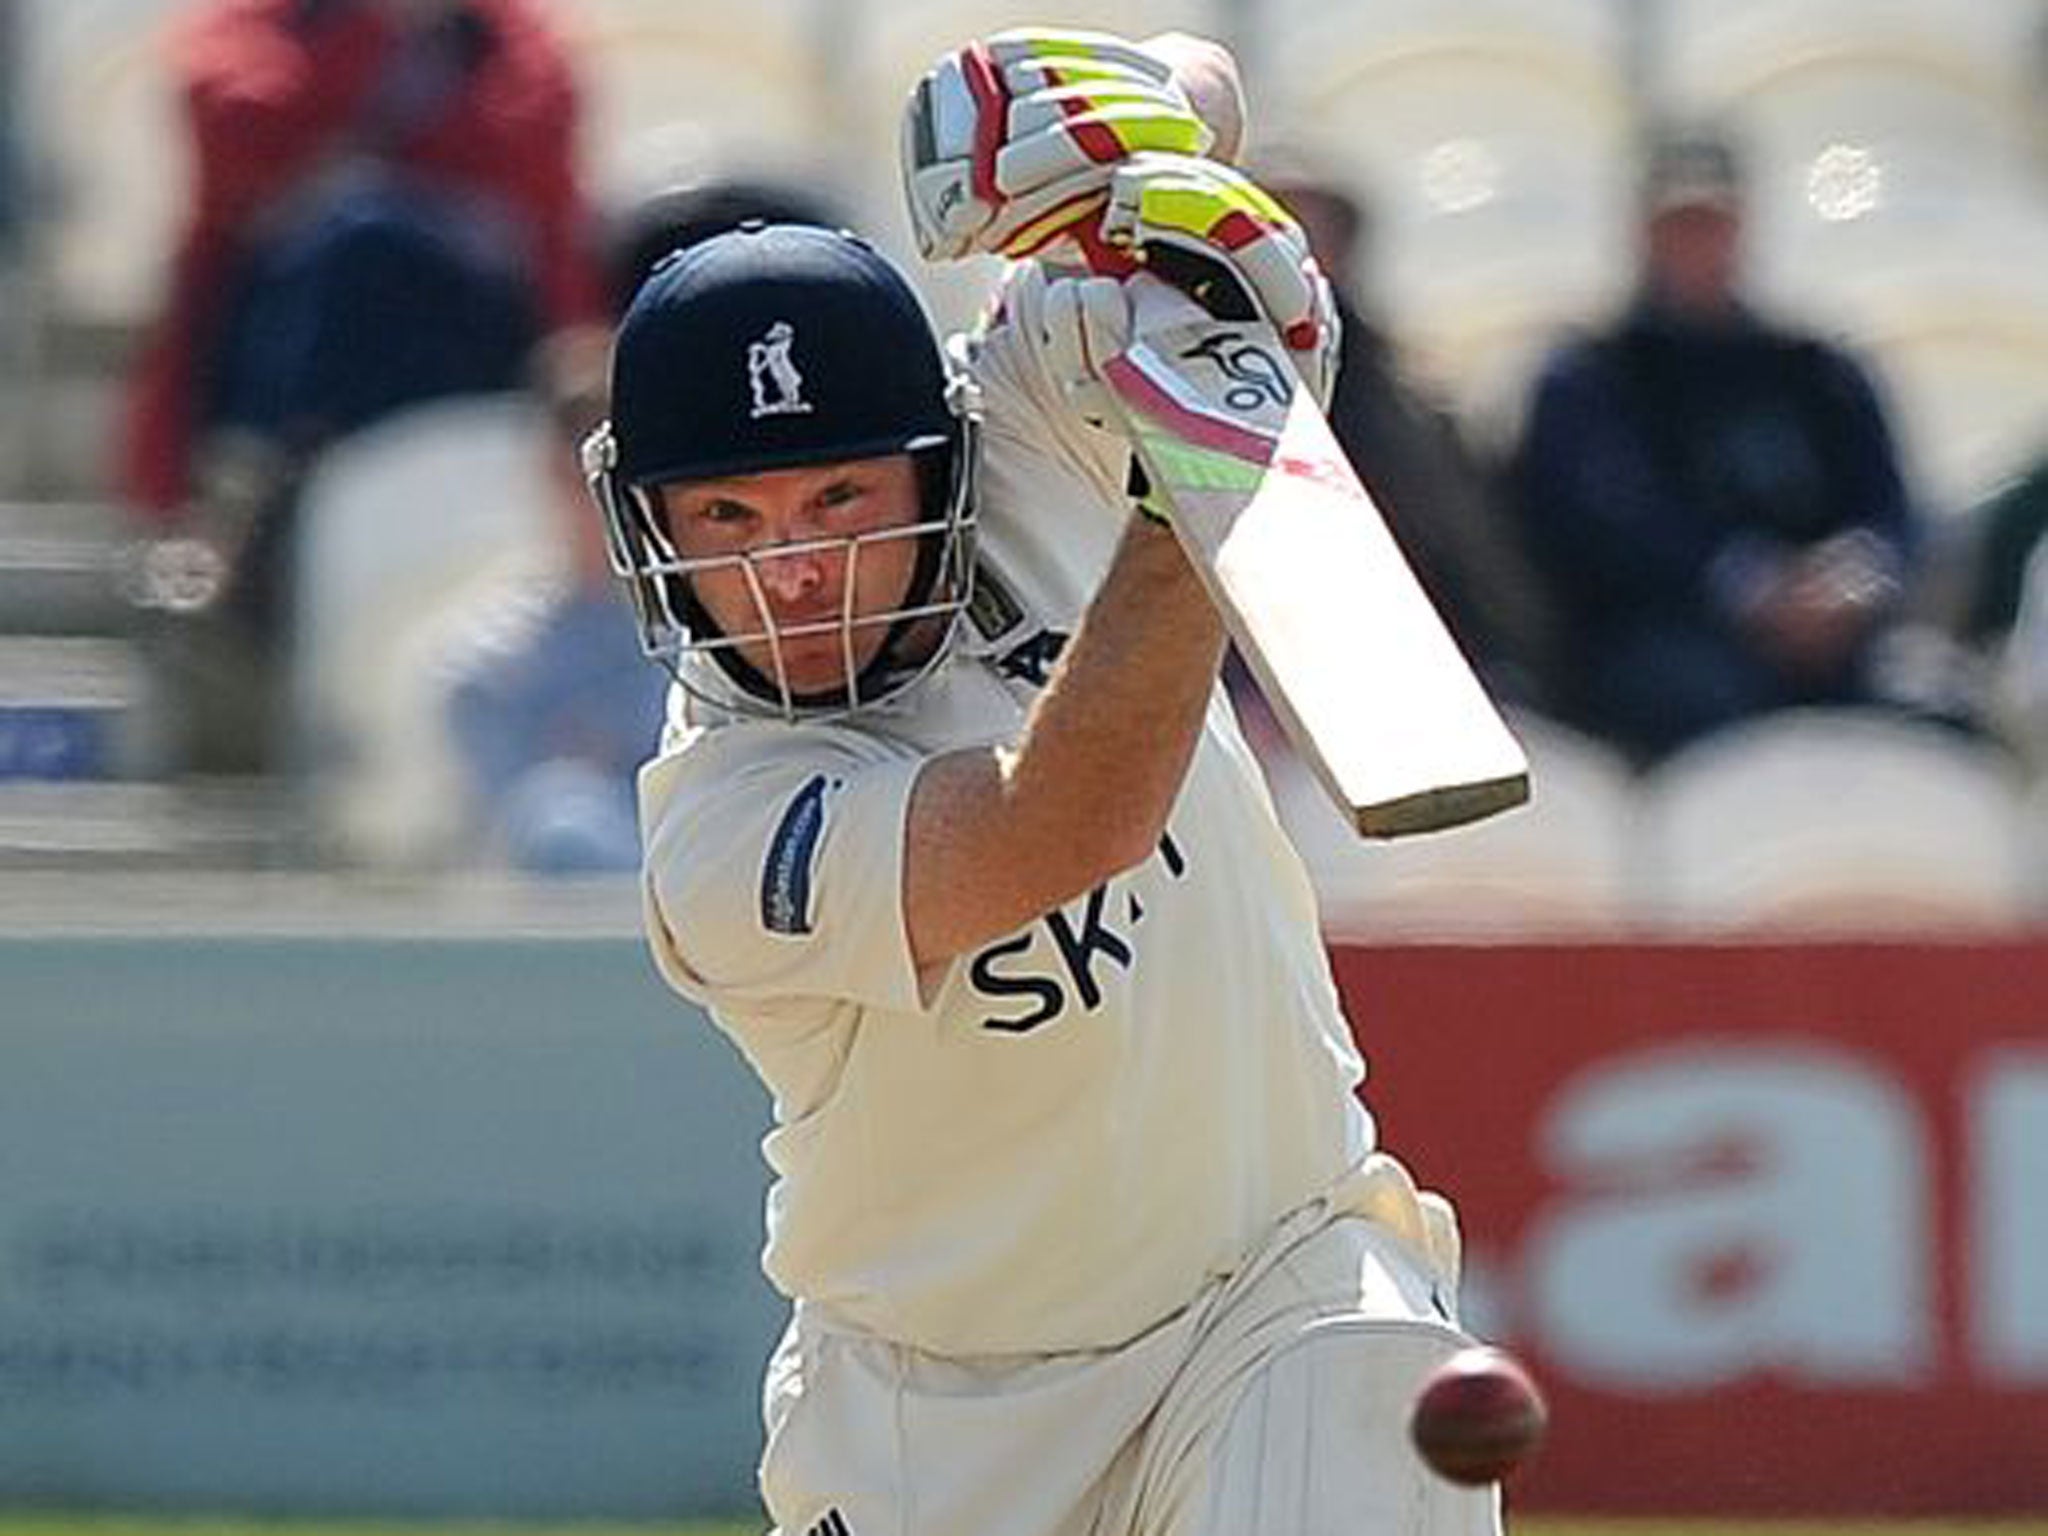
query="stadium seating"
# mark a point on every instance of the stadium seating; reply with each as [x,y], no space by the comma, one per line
[1894,200]
[1491,143]
[1897,147]
[1561,863]
[104,138]
[1969,372]
[77,707]
[400,523]
[1836,820]
[181,829]
[1951,76]
[61,568]
[677,92]
[1943,289]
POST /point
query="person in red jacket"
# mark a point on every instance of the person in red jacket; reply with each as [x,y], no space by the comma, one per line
[385,209]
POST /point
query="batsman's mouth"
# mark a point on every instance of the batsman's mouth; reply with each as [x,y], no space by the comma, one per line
[811,661]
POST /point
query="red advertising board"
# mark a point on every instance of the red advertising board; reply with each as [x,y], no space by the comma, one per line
[1769,1220]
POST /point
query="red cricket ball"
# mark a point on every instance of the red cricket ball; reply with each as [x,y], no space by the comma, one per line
[1477,1416]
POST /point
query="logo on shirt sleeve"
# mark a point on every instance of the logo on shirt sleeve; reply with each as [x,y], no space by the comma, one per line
[792,860]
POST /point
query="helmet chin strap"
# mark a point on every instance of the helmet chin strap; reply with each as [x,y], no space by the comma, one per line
[924,577]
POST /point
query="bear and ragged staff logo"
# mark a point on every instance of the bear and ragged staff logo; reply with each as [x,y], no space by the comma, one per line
[772,374]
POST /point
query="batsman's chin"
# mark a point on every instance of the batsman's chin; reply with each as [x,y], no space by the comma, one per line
[821,662]
[808,665]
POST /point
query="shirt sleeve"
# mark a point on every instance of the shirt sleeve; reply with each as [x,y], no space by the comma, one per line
[774,868]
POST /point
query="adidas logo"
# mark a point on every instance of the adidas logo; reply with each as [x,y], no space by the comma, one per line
[831,1525]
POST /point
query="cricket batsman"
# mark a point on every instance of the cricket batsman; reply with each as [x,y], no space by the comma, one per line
[1083,1225]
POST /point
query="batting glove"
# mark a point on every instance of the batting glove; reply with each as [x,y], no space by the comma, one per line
[1008,145]
[1071,327]
[1214,233]
[1069,324]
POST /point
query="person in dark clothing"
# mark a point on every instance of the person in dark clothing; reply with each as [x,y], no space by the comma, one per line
[652,225]
[403,169]
[1714,496]
[2006,621]
[2002,535]
[385,209]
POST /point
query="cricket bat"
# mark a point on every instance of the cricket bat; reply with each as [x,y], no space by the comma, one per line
[1349,651]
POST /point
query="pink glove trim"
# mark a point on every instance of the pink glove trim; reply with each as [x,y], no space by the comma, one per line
[1149,398]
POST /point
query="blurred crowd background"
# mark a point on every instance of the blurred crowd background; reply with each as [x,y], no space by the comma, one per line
[1697,350]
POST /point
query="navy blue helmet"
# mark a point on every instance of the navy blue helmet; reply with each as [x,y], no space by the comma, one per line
[770,347]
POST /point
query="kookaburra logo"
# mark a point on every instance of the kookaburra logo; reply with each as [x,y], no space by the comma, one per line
[1257,378]
[778,387]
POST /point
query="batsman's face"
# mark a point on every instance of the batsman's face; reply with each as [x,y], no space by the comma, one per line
[1695,254]
[805,567]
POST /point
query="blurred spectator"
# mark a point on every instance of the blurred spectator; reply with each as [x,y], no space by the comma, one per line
[2022,674]
[1715,496]
[551,706]
[2000,538]
[385,210]
[2020,680]
[672,218]
[1998,608]
[1438,498]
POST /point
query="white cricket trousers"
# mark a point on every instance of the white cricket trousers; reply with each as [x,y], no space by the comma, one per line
[1275,1404]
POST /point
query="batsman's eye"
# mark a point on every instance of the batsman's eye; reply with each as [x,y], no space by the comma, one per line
[719,520]
[841,493]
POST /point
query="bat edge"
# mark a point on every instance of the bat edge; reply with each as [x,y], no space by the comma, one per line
[1441,808]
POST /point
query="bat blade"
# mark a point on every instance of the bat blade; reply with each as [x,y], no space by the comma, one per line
[1368,683]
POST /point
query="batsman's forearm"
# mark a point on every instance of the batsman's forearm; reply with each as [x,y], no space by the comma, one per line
[997,837]
[1109,741]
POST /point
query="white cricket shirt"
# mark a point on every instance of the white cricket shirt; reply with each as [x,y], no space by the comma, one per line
[1057,1140]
